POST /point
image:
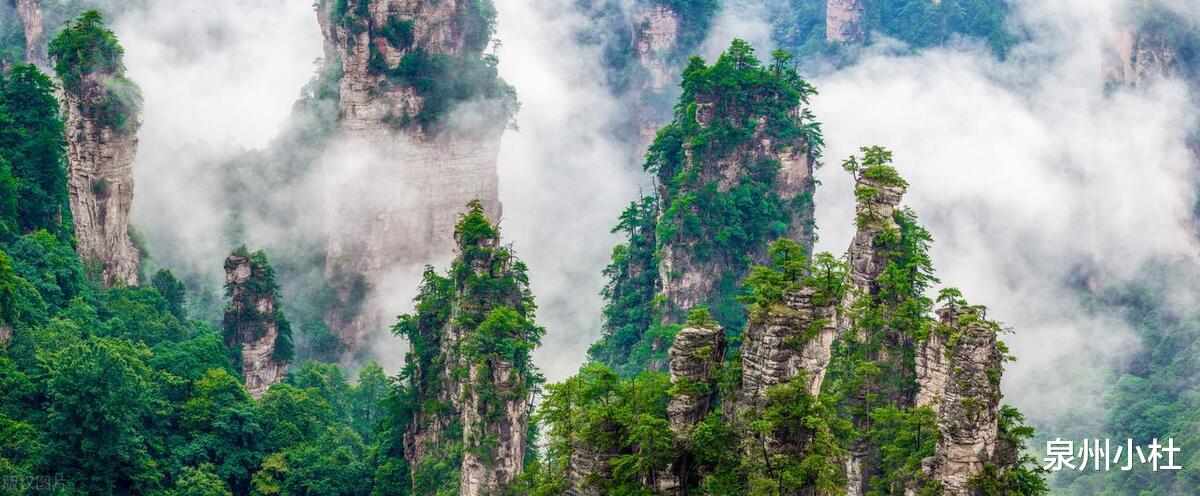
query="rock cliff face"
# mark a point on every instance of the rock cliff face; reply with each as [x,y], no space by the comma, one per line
[695,359]
[31,18]
[792,339]
[101,107]
[1136,57]
[656,38]
[471,342]
[410,160]
[5,335]
[255,327]
[958,370]
[842,20]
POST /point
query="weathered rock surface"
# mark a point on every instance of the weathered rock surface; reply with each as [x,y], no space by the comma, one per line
[1135,57]
[695,358]
[100,156]
[5,335]
[842,20]
[793,338]
[958,371]
[656,38]
[396,189]
[30,12]
[252,321]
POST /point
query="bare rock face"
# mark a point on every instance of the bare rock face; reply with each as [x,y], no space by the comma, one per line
[656,37]
[480,477]
[689,282]
[1135,58]
[252,320]
[5,335]
[842,20]
[958,371]
[695,357]
[397,186]
[792,339]
[31,19]
[101,145]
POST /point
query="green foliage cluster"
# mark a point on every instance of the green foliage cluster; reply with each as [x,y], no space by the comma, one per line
[598,413]
[87,49]
[740,99]
[33,166]
[442,80]
[242,314]
[727,226]
[629,295]
[1154,396]
[110,392]
[486,301]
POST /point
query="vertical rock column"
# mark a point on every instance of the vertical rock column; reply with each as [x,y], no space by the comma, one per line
[254,326]
[100,106]
[878,198]
[695,358]
[958,371]
[656,37]
[396,182]
[31,19]
[842,20]
[472,372]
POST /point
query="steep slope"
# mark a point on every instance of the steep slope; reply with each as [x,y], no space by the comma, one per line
[256,331]
[101,109]
[421,114]
[468,381]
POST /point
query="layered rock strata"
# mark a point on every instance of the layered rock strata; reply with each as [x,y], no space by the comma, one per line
[958,370]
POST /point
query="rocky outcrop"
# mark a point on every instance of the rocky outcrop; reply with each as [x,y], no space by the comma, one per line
[842,20]
[399,177]
[5,335]
[255,328]
[100,108]
[30,12]
[472,338]
[878,199]
[695,358]
[689,280]
[792,339]
[958,370]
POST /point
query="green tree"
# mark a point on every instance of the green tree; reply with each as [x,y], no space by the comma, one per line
[33,153]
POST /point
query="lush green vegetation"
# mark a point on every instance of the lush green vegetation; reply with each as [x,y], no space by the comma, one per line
[33,166]
[119,391]
[486,302]
[724,224]
[87,50]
